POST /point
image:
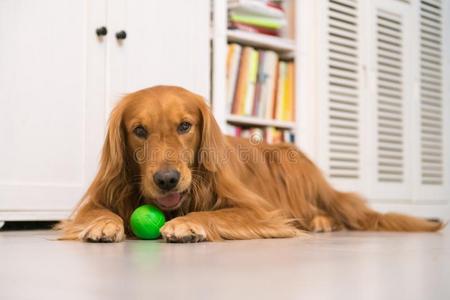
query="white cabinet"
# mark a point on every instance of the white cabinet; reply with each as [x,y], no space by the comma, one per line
[58,81]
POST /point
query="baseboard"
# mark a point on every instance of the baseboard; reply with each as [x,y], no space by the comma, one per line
[34,215]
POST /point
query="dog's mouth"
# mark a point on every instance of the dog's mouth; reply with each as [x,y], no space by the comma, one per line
[170,201]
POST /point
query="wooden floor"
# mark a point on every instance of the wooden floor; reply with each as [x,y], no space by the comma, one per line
[33,265]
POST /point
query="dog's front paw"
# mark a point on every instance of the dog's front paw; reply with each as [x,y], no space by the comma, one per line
[103,230]
[181,230]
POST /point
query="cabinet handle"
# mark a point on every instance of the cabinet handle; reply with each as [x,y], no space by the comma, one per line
[101,31]
[121,35]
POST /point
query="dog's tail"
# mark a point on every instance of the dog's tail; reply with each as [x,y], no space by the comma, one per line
[350,210]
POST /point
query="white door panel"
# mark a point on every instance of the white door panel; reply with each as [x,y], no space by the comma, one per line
[432,101]
[44,110]
[167,43]
[340,130]
[389,100]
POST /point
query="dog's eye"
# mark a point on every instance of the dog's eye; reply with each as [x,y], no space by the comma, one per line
[140,132]
[184,127]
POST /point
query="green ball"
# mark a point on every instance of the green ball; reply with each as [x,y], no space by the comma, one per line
[146,220]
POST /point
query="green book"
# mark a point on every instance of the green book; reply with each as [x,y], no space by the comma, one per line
[258,21]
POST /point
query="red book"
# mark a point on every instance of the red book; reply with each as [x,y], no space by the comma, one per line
[255,29]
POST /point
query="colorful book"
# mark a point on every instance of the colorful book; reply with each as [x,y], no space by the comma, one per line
[259,83]
[270,23]
[255,29]
[268,82]
[233,58]
[256,8]
[247,105]
[270,112]
[242,82]
[289,109]
[280,98]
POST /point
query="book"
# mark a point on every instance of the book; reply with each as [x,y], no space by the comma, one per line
[261,16]
[256,8]
[233,59]
[242,82]
[280,97]
[259,83]
[258,21]
[289,109]
[247,105]
[253,28]
[268,81]
[270,112]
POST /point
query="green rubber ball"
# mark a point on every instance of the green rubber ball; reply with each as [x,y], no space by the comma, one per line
[146,220]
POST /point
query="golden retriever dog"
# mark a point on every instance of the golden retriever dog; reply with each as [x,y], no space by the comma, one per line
[164,147]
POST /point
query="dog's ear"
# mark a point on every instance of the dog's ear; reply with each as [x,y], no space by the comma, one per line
[111,187]
[113,153]
[212,152]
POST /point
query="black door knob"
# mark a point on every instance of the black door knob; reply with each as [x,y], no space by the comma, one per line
[121,35]
[101,31]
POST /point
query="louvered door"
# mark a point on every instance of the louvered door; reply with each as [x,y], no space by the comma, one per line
[388,100]
[340,101]
[432,157]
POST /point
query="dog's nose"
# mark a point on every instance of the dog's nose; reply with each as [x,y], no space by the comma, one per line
[167,179]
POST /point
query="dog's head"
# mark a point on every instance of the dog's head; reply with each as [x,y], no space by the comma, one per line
[157,139]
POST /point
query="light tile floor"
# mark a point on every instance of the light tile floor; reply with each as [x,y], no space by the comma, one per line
[343,265]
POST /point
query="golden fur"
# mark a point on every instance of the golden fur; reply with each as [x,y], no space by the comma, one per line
[231,188]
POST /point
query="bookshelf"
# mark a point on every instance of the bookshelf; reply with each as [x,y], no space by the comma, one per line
[292,48]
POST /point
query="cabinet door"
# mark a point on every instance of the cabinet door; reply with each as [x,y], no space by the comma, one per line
[167,43]
[339,89]
[389,95]
[432,125]
[50,116]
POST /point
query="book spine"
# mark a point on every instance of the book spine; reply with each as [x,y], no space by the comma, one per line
[252,74]
[284,103]
[254,29]
[259,83]
[291,74]
[241,88]
[270,114]
[280,91]
[232,74]
[230,53]
[258,21]
[270,87]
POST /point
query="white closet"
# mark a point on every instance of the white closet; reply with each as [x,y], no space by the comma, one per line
[383,104]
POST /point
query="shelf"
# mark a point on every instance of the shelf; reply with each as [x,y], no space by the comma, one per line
[261,40]
[255,121]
